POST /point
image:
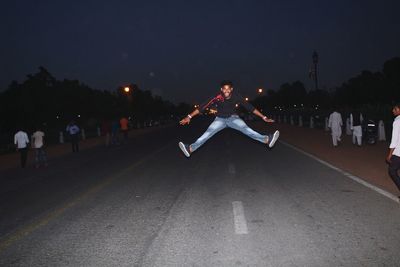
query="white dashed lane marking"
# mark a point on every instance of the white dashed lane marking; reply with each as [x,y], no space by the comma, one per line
[239,218]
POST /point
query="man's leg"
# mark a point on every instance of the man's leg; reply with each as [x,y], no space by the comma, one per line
[43,156]
[37,157]
[334,139]
[394,167]
[24,156]
[217,125]
[359,138]
[237,123]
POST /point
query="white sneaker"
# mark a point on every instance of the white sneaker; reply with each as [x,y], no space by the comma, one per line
[185,149]
[272,139]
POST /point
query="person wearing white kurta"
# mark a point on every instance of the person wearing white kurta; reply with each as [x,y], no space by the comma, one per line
[348,126]
[335,123]
[355,123]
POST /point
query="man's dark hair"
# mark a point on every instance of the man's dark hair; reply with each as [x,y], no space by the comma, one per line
[226,82]
[396,104]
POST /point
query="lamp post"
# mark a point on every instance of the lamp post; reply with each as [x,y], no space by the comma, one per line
[315,61]
[259,91]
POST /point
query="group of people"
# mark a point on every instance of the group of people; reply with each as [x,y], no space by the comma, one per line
[335,124]
[112,129]
[21,142]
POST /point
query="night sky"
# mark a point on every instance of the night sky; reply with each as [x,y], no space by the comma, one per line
[181,50]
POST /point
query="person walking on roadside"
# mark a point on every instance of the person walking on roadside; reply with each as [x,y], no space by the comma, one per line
[114,132]
[106,131]
[38,145]
[73,131]
[393,157]
[335,123]
[21,142]
[356,120]
[225,104]
[124,128]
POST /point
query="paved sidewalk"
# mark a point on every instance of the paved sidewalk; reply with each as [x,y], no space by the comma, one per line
[366,162]
[10,161]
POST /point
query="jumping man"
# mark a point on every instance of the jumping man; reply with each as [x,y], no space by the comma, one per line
[225,103]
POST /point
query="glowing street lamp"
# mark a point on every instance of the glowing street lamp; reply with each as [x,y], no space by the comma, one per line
[260,90]
[127,89]
[247,99]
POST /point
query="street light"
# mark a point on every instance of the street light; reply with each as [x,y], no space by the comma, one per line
[247,99]
[127,89]
[315,61]
[260,90]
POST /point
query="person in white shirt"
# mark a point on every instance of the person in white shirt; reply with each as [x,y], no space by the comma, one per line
[356,120]
[335,123]
[38,145]
[393,157]
[21,141]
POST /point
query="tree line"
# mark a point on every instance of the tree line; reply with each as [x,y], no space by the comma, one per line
[371,89]
[42,99]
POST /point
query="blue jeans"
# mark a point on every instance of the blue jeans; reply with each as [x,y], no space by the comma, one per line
[234,122]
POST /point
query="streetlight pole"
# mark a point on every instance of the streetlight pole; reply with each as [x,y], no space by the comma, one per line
[315,61]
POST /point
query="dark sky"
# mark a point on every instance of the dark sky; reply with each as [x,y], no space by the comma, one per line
[182,49]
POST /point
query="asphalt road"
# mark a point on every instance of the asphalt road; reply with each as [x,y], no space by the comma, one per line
[233,203]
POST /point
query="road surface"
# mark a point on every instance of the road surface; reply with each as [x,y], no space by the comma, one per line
[233,203]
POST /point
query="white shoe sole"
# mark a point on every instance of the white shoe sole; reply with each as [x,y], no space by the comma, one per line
[184,150]
[274,138]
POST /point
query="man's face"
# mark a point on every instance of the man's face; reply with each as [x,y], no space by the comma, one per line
[227,91]
[396,111]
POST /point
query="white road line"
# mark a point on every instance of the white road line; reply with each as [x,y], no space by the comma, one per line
[231,168]
[239,218]
[348,175]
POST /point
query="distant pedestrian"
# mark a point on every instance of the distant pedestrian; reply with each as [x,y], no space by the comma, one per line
[38,145]
[115,132]
[73,131]
[356,120]
[335,123]
[106,131]
[21,141]
[393,157]
[124,128]
[348,126]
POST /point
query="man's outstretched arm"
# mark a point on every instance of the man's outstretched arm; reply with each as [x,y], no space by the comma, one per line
[263,117]
[187,119]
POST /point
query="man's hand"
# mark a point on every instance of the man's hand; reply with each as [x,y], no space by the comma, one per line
[268,120]
[388,158]
[184,121]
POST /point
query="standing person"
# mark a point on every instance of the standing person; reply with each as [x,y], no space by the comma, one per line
[226,116]
[124,128]
[21,141]
[356,119]
[393,157]
[106,131]
[335,123]
[114,132]
[73,131]
[38,145]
